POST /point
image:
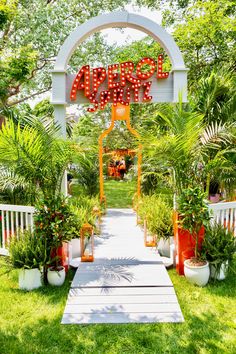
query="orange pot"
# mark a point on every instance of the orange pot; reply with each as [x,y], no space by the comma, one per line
[184,244]
[63,253]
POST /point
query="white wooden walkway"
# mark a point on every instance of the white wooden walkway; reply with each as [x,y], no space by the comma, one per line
[126,283]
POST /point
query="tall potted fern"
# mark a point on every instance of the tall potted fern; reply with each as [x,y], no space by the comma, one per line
[28,254]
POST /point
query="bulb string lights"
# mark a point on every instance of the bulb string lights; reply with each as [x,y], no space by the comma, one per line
[99,76]
[126,70]
[146,96]
[104,98]
[92,99]
[118,96]
[118,82]
[152,66]
[160,73]
[81,82]
[113,76]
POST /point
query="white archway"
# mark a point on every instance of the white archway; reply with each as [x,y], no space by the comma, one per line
[114,19]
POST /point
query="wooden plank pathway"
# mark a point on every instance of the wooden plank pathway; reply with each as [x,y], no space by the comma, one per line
[126,283]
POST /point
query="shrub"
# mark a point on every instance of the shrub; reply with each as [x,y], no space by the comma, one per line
[158,214]
[27,251]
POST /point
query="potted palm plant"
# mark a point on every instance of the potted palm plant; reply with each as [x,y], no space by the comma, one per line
[219,246]
[194,217]
[28,254]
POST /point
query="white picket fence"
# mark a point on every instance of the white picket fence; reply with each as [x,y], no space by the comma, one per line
[14,218]
[224,214]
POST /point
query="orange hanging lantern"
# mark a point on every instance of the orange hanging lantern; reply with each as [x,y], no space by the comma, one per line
[149,240]
[87,243]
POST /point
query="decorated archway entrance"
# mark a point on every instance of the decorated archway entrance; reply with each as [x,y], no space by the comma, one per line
[119,112]
[101,86]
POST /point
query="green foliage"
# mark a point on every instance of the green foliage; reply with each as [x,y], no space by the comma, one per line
[83,207]
[156,210]
[176,149]
[219,245]
[208,325]
[15,70]
[206,36]
[34,154]
[87,172]
[119,194]
[27,251]
[7,11]
[53,221]
[31,36]
[137,50]
[43,109]
[214,96]
[193,212]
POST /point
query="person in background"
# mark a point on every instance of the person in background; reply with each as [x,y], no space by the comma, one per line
[122,168]
[69,180]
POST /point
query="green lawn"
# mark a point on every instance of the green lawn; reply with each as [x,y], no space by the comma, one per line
[30,323]
[119,194]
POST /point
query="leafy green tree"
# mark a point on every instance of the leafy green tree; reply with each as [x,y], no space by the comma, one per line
[215,96]
[204,31]
[31,33]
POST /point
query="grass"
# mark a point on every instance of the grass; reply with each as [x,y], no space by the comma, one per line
[119,194]
[30,323]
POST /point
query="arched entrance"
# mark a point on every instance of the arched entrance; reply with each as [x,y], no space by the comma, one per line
[167,91]
[119,112]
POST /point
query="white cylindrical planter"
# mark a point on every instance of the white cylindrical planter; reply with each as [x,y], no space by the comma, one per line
[221,274]
[197,275]
[164,246]
[75,248]
[56,277]
[30,279]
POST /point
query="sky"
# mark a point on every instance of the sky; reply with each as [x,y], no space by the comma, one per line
[129,35]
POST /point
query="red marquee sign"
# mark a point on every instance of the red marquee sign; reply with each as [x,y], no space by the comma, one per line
[121,82]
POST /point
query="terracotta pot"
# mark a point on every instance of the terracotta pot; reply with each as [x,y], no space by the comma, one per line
[63,253]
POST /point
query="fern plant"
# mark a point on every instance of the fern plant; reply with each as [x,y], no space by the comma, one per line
[219,245]
[27,251]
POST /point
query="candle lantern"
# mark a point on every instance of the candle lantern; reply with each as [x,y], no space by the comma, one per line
[87,243]
[98,215]
[149,240]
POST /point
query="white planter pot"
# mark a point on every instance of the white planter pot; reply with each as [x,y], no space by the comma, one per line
[30,279]
[56,277]
[197,275]
[75,248]
[221,275]
[164,246]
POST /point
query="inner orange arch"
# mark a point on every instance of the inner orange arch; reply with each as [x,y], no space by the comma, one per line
[119,112]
